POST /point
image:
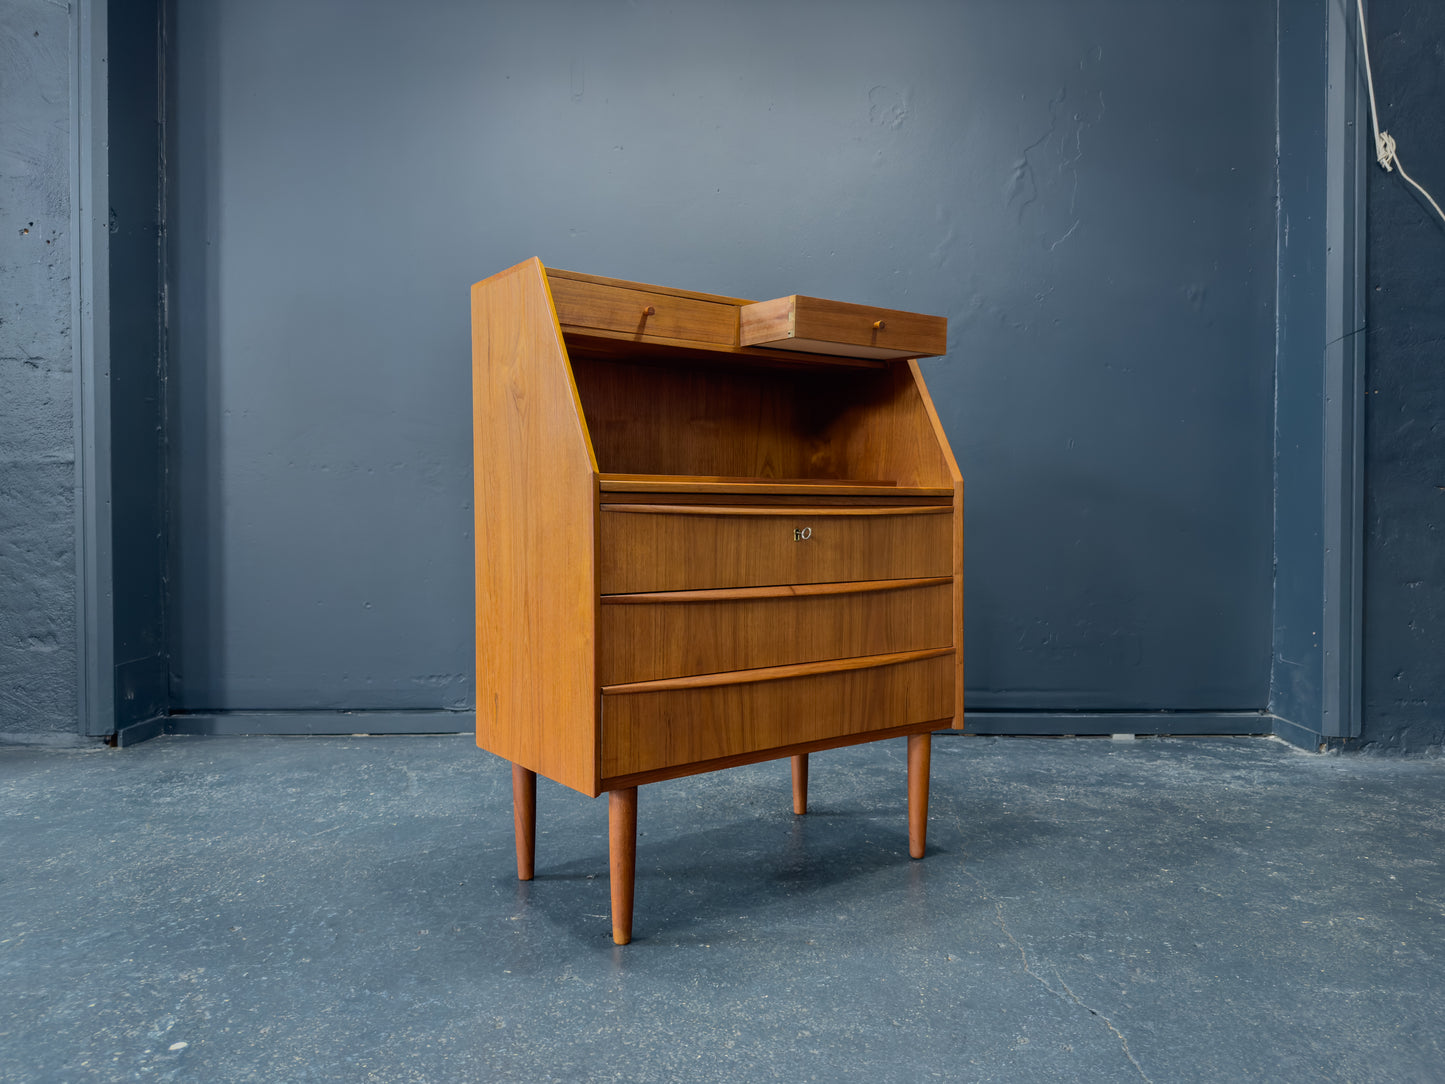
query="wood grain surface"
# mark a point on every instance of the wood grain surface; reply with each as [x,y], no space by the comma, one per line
[778,425]
[659,350]
[800,783]
[816,325]
[785,590]
[920,751]
[642,313]
[524,820]
[668,551]
[749,517]
[622,858]
[536,501]
[681,633]
[950,466]
[653,730]
[737,760]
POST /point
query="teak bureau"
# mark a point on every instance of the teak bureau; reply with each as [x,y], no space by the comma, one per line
[708,532]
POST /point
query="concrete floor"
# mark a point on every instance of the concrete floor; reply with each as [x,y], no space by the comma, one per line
[325,909]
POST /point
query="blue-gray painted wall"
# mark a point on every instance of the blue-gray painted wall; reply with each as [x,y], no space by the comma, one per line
[1085,190]
[1404,688]
[1404,604]
[38,653]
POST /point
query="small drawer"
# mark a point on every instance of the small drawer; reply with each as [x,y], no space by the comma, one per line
[642,314]
[650,730]
[816,326]
[642,637]
[688,547]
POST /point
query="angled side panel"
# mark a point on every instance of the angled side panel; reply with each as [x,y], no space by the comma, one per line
[890,432]
[535,483]
[951,464]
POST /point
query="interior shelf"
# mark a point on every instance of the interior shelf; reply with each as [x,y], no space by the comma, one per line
[829,487]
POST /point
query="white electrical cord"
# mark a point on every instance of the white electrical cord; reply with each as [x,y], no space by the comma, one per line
[1384,142]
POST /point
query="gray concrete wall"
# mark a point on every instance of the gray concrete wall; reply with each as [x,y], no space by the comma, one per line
[1404,692]
[1085,189]
[38,652]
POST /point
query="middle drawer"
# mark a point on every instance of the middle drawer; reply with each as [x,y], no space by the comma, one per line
[679,634]
[688,547]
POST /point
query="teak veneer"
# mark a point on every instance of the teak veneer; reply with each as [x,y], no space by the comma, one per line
[709,532]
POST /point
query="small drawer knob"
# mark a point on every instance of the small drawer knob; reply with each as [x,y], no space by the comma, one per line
[878,325]
[649,311]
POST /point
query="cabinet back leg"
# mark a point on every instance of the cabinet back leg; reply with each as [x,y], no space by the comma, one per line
[920,747]
[524,819]
[800,784]
[622,848]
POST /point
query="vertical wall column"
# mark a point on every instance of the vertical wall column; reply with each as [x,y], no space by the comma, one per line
[117,321]
[1314,682]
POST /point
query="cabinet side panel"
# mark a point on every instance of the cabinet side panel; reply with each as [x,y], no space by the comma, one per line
[958,604]
[535,536]
[951,465]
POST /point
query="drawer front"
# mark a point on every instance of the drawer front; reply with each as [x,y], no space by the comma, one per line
[661,548]
[680,635]
[645,731]
[612,308]
[813,324]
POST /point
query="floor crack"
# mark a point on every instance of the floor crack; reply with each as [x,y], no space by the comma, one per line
[1066,994]
[1123,1042]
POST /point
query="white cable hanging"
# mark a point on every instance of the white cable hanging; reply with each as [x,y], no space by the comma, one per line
[1384,142]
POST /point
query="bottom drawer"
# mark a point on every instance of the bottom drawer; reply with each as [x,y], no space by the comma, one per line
[645,730]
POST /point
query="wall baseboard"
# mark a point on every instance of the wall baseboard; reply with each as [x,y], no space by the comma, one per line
[464,722]
[982,723]
[48,739]
[321,722]
[1082,723]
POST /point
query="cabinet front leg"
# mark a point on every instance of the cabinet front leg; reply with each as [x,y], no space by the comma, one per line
[800,784]
[524,819]
[622,847]
[920,746]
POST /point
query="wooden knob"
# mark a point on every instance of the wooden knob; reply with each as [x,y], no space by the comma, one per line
[878,325]
[649,311]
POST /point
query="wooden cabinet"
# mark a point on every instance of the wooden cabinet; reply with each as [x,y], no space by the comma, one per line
[709,532]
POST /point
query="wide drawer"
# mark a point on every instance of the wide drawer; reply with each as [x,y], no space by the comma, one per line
[641,313]
[649,730]
[681,547]
[647,636]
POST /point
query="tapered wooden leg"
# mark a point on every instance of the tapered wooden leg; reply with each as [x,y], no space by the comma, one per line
[622,847]
[920,746]
[800,784]
[524,819]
